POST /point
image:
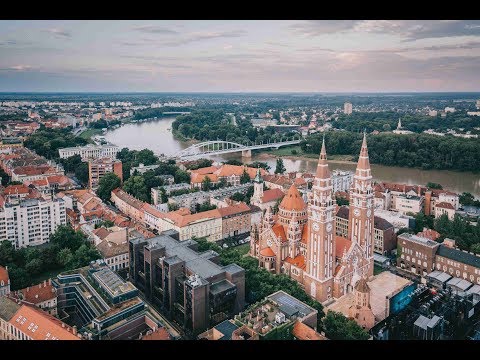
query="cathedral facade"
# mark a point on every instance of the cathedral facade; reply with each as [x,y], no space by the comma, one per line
[300,241]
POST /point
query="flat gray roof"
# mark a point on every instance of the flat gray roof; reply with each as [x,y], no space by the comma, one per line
[418,240]
[424,322]
[221,286]
[282,298]
[462,284]
[113,283]
[440,276]
[197,263]
[475,289]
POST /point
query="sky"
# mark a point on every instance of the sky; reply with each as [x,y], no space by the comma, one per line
[240,56]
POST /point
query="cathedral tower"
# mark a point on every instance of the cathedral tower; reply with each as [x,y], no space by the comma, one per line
[257,188]
[320,259]
[360,222]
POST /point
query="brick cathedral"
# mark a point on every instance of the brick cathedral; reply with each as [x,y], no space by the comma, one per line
[300,239]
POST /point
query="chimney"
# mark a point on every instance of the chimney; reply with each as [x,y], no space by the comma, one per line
[40,286]
[63,325]
[28,288]
[44,283]
[49,281]
[74,330]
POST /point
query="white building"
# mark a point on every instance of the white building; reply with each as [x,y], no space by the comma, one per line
[444,208]
[478,104]
[342,180]
[142,169]
[451,198]
[90,151]
[397,219]
[30,222]
[409,203]
[347,108]
[449,109]
[433,113]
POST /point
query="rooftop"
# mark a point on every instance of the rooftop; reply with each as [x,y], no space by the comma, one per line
[290,303]
[459,255]
[111,282]
[459,283]
[8,308]
[417,239]
[439,276]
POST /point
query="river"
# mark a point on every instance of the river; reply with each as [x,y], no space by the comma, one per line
[157,136]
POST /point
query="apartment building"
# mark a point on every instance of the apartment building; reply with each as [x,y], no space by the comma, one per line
[30,222]
[409,203]
[231,174]
[445,208]
[90,151]
[189,287]
[97,169]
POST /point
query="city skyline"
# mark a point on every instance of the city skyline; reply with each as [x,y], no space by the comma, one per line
[240,56]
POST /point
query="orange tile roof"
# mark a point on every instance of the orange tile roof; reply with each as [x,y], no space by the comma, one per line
[3,275]
[205,170]
[445,205]
[304,332]
[160,334]
[58,179]
[298,261]
[37,293]
[429,234]
[198,178]
[293,200]
[102,233]
[279,231]
[272,195]
[16,189]
[341,244]
[39,325]
[267,252]
[299,182]
[234,209]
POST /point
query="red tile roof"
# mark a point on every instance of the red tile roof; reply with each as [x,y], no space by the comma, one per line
[4,275]
[429,234]
[445,205]
[267,252]
[341,244]
[160,334]
[37,293]
[304,332]
[293,200]
[279,232]
[272,195]
[39,325]
[16,189]
[298,261]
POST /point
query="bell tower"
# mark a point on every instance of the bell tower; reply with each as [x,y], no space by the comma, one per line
[257,188]
[361,216]
[320,259]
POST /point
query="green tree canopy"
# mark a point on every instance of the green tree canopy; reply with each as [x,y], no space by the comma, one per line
[280,168]
[338,327]
[107,183]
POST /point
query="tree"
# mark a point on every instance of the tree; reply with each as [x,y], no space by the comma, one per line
[65,257]
[475,248]
[4,177]
[338,327]
[107,183]
[206,183]
[34,267]
[136,187]
[386,127]
[19,278]
[71,163]
[432,185]
[66,237]
[294,152]
[222,183]
[81,173]
[234,162]
[244,178]
[468,199]
[105,223]
[280,168]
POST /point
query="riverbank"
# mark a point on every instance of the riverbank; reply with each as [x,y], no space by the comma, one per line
[296,153]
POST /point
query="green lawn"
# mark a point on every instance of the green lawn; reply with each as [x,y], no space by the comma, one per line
[244,248]
[87,134]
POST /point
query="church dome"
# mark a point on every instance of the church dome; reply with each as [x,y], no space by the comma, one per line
[292,201]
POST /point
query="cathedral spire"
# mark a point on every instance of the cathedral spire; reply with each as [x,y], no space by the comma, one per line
[258,177]
[363,161]
[322,167]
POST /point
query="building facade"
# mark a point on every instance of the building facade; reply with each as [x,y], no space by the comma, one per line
[89,152]
[4,281]
[347,108]
[97,169]
[30,222]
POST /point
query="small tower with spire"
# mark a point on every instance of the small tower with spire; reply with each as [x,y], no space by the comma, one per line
[361,310]
[257,188]
[399,126]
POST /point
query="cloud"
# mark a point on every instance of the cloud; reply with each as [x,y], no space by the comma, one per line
[199,36]
[154,29]
[18,68]
[408,30]
[60,33]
